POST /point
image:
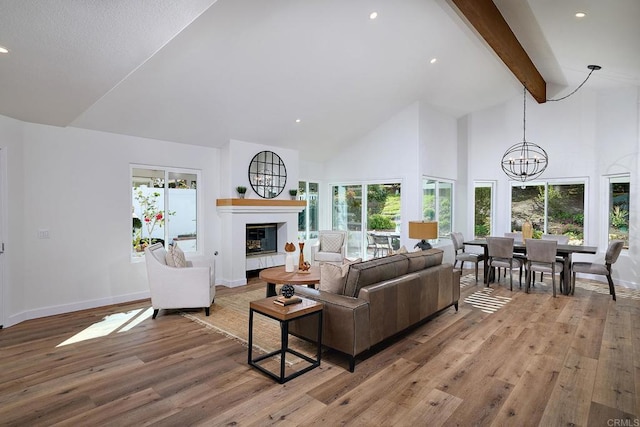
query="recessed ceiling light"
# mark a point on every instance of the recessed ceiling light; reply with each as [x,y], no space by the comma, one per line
[4,49]
[580,14]
[433,60]
[373,15]
[298,120]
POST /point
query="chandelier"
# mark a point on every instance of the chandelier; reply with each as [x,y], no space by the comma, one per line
[525,160]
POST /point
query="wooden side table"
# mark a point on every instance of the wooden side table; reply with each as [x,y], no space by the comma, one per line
[284,314]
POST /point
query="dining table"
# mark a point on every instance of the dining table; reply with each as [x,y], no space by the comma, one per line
[565,252]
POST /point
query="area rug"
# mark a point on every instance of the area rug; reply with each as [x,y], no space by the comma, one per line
[229,316]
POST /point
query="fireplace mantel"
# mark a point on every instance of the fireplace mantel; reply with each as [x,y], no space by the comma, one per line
[260,205]
[234,216]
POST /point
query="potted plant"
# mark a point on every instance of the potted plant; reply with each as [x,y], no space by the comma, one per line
[241,191]
[293,193]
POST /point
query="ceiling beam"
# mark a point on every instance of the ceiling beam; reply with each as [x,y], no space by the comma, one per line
[487,20]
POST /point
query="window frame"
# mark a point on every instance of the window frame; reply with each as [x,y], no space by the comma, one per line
[306,233]
[607,180]
[546,183]
[167,170]
[439,181]
[492,216]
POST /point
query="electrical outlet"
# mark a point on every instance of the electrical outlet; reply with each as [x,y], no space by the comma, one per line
[43,234]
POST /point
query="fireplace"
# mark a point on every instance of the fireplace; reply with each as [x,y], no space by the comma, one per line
[261,239]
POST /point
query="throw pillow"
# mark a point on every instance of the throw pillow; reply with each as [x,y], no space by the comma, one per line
[402,250]
[175,257]
[333,277]
[331,242]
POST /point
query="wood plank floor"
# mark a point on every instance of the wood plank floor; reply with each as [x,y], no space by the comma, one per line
[504,359]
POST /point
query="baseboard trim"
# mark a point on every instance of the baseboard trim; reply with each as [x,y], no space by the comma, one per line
[14,319]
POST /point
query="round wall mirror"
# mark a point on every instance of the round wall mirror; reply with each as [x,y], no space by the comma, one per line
[267,174]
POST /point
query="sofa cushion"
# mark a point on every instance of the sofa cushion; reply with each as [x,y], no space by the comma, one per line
[374,271]
[333,277]
[424,259]
[331,242]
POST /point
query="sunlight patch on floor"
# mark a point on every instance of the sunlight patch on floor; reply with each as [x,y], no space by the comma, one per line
[483,300]
[111,323]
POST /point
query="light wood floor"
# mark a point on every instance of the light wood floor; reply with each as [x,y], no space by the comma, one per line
[536,360]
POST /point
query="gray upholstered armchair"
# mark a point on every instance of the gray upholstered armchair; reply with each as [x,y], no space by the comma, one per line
[331,247]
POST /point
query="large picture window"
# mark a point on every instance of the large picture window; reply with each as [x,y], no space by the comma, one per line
[437,204]
[552,208]
[618,212]
[164,207]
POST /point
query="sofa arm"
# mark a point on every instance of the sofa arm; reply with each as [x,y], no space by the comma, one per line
[345,325]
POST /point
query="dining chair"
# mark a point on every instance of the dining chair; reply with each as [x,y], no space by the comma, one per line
[541,256]
[613,251]
[561,239]
[462,256]
[517,238]
[383,244]
[501,256]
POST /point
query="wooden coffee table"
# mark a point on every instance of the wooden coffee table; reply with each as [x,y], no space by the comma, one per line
[277,275]
[285,314]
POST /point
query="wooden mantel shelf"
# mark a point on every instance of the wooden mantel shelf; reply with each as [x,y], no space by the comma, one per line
[261,202]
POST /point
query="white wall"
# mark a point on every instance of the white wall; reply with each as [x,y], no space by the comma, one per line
[386,154]
[587,135]
[75,183]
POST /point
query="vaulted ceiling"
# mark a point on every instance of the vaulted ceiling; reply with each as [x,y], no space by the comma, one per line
[204,71]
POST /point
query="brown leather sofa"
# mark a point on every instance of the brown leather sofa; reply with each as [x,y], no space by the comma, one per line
[381,298]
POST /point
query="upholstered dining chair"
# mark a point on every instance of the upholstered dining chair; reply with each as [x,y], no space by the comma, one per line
[613,252]
[501,256]
[462,256]
[177,287]
[330,247]
[541,256]
[561,239]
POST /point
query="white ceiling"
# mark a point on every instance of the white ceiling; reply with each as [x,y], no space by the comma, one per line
[204,71]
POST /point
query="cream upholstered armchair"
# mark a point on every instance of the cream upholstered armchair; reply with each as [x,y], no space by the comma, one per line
[177,287]
[331,247]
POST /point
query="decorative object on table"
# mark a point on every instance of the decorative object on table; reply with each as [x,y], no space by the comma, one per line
[293,193]
[287,297]
[527,231]
[241,191]
[267,174]
[290,260]
[288,291]
[304,267]
[301,260]
[423,230]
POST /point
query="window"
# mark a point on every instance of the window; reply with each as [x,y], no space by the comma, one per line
[437,204]
[552,208]
[618,212]
[308,218]
[164,208]
[483,208]
[367,209]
